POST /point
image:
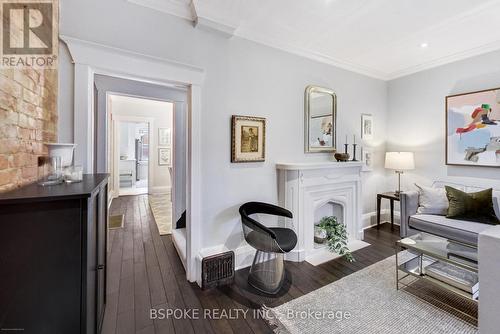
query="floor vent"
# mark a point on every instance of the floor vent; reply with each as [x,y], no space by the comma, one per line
[217,270]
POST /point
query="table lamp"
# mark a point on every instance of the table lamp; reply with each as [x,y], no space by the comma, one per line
[399,161]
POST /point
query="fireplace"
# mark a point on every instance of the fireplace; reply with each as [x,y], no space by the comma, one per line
[330,208]
[315,190]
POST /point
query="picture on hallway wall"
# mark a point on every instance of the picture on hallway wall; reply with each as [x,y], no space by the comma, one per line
[164,137]
[366,126]
[164,156]
[248,139]
[473,129]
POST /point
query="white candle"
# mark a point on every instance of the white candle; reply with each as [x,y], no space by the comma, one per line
[346,139]
[354,136]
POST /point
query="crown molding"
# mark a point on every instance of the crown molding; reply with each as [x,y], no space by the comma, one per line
[195,12]
[172,7]
[445,60]
[204,22]
[319,57]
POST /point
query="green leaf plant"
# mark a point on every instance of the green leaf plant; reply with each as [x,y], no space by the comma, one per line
[336,237]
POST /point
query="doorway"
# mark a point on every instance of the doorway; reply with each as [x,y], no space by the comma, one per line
[165,111]
[133,152]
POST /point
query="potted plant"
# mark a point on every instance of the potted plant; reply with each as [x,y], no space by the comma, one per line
[336,236]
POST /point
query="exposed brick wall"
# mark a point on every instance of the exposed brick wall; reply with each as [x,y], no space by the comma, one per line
[28,119]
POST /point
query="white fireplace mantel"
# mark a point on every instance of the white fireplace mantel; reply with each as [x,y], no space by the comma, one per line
[305,187]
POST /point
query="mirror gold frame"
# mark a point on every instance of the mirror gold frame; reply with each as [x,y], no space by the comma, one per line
[311,89]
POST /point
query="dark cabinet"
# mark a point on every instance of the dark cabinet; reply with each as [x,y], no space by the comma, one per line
[53,243]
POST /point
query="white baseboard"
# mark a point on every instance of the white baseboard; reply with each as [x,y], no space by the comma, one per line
[160,190]
[370,219]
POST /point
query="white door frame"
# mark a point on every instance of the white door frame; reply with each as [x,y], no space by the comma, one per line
[91,58]
[115,171]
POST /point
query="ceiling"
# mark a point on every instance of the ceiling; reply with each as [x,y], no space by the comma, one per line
[385,39]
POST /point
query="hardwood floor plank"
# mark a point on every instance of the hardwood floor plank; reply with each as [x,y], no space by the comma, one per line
[174,298]
[144,272]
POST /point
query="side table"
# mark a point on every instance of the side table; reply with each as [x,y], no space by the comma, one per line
[391,196]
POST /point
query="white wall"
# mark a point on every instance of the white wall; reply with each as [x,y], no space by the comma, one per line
[161,112]
[242,78]
[416,119]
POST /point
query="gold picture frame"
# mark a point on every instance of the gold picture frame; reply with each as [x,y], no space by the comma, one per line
[248,139]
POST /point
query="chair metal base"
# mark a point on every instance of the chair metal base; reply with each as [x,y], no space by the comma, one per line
[267,272]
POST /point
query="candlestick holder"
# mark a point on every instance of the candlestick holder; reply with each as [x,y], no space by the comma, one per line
[345,150]
[354,152]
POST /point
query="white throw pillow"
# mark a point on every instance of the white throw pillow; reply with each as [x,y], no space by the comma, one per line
[432,201]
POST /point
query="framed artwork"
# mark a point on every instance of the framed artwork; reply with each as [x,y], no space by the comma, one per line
[164,137]
[367,126]
[367,158]
[473,129]
[248,139]
[164,156]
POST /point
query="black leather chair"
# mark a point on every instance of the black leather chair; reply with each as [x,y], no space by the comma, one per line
[267,272]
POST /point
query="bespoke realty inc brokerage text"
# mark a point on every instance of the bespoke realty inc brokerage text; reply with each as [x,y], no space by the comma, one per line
[238,313]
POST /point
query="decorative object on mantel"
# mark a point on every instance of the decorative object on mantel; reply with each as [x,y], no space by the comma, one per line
[320,111]
[366,126]
[345,156]
[354,149]
[248,139]
[473,129]
[341,157]
[336,236]
[399,162]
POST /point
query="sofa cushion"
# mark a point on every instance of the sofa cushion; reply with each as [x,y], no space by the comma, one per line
[432,200]
[475,207]
[458,230]
[471,189]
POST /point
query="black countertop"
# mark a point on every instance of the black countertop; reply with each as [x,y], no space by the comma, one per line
[34,192]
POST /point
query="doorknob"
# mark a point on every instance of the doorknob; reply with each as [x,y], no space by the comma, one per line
[100,267]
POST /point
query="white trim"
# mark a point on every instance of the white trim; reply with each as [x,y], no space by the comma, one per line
[194,12]
[174,8]
[370,219]
[92,58]
[316,165]
[130,64]
[444,60]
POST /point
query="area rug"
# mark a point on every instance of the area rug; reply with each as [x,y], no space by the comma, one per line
[115,222]
[367,302]
[161,206]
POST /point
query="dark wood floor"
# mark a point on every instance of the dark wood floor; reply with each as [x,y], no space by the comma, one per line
[144,272]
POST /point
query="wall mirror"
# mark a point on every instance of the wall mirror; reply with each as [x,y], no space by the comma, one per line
[320,119]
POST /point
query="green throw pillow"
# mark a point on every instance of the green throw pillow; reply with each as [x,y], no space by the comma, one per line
[475,207]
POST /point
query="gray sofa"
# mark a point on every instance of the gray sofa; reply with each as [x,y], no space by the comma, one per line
[458,230]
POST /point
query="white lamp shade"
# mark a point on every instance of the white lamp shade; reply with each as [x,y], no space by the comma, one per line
[399,160]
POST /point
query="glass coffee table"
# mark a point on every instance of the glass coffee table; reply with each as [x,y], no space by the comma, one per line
[448,264]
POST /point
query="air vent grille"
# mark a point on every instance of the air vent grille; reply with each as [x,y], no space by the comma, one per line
[217,270]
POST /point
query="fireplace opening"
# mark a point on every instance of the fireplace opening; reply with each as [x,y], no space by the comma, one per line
[328,209]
